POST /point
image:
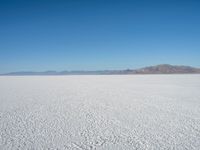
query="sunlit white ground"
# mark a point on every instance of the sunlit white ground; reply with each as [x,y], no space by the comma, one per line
[100,112]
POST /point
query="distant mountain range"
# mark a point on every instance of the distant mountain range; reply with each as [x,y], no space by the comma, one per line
[167,69]
[158,69]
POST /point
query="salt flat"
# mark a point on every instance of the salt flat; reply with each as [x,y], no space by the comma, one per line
[100,112]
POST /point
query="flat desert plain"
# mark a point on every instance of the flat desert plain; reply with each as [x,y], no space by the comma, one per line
[99,112]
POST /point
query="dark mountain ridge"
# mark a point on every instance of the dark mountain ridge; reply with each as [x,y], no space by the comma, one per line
[158,69]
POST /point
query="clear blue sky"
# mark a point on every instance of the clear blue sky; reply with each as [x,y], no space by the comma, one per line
[41,35]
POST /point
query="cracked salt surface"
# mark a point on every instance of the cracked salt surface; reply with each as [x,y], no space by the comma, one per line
[100,112]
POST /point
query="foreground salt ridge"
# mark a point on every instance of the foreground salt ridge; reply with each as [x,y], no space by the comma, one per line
[100,112]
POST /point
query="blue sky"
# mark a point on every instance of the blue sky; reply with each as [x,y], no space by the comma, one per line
[41,35]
